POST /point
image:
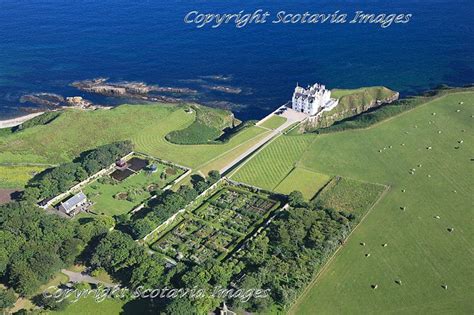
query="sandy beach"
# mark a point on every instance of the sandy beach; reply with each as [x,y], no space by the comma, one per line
[17,121]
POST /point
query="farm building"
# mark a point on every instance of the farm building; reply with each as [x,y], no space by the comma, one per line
[74,205]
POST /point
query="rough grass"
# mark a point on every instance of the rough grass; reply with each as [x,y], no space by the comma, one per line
[306,181]
[273,122]
[17,176]
[146,125]
[420,252]
[270,166]
[344,194]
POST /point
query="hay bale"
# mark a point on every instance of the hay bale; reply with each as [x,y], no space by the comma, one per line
[439,131]
[451,229]
[384,245]
[374,286]
[390,147]
[403,190]
[398,281]
[460,141]
[458,110]
[437,217]
[429,148]
[420,165]
[403,144]
[367,255]
[444,286]
[461,103]
[455,191]
[434,114]
[428,175]
[362,243]
[403,208]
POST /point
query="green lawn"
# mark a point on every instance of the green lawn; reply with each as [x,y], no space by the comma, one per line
[146,125]
[273,122]
[102,194]
[420,251]
[306,181]
[108,306]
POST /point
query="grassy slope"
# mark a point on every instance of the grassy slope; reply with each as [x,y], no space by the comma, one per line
[207,126]
[147,125]
[420,252]
[306,181]
[273,122]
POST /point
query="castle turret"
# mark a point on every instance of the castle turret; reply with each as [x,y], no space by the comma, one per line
[313,99]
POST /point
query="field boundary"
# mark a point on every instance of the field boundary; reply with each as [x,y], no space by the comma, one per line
[328,262]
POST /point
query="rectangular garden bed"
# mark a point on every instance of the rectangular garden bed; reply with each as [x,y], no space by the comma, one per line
[213,229]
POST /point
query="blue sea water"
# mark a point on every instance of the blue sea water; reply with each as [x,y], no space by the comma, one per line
[47,44]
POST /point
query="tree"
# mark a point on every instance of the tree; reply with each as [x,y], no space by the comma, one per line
[188,193]
[7,299]
[296,199]
[141,227]
[181,306]
[213,176]
[149,273]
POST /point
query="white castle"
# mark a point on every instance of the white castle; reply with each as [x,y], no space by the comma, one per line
[313,100]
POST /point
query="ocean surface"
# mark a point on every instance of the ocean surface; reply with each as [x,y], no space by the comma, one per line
[47,44]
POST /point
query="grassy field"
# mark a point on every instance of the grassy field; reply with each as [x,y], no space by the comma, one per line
[17,176]
[145,125]
[306,181]
[421,252]
[270,166]
[273,122]
[349,195]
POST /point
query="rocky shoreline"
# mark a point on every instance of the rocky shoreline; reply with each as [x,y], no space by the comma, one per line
[8,123]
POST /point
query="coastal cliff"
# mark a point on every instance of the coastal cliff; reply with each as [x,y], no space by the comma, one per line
[351,103]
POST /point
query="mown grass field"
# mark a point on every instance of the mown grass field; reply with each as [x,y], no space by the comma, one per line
[306,181]
[270,166]
[273,122]
[421,252]
[146,125]
[17,176]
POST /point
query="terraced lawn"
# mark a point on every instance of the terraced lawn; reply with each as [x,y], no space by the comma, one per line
[306,181]
[270,166]
[273,122]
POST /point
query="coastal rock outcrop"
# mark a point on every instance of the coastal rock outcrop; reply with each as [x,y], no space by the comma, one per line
[132,90]
[351,103]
